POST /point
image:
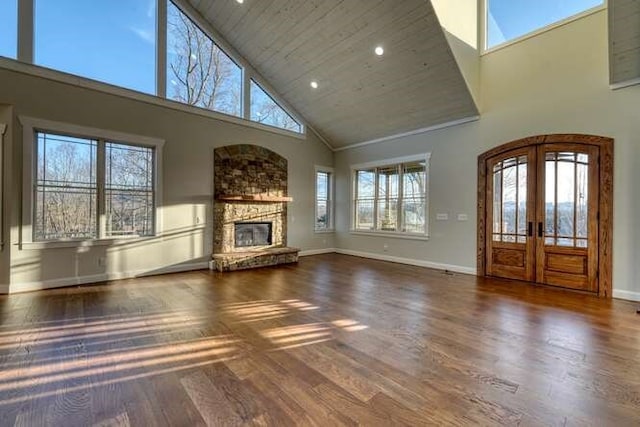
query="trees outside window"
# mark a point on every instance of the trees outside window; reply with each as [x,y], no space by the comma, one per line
[391,197]
[118,42]
[92,188]
[128,190]
[324,199]
[265,110]
[66,188]
[199,73]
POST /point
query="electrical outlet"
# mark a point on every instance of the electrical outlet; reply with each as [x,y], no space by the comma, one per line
[385,247]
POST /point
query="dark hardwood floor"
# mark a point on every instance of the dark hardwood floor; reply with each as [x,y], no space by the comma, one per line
[334,340]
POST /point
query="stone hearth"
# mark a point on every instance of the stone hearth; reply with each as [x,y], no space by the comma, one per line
[250,187]
[255,259]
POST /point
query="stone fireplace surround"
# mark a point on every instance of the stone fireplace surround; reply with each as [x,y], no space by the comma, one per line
[250,185]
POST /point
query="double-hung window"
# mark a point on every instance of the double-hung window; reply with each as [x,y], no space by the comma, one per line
[391,196]
[324,199]
[88,184]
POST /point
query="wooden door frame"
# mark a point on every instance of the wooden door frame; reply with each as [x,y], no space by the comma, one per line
[605,203]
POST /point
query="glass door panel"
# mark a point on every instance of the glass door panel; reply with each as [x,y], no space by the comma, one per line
[566,248]
[566,199]
[510,200]
[511,211]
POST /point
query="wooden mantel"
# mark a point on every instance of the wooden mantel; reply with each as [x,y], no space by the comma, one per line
[253,198]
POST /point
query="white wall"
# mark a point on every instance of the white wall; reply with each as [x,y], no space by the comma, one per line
[5,119]
[555,82]
[186,241]
[459,19]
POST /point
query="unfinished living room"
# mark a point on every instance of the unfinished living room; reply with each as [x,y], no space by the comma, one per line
[328,212]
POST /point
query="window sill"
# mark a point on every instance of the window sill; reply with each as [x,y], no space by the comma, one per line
[83,243]
[391,234]
[87,83]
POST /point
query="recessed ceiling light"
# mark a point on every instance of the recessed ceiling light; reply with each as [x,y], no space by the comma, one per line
[240,1]
[379,50]
[314,84]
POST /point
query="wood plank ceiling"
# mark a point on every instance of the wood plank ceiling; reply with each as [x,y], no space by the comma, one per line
[415,84]
[624,40]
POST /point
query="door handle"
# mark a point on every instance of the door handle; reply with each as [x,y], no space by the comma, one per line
[539,229]
[530,229]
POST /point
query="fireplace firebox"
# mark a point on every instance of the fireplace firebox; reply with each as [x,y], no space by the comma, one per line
[249,234]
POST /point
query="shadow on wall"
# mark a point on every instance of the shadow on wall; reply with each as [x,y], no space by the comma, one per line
[468,60]
[175,249]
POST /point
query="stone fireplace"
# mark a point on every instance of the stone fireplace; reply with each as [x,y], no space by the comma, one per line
[250,208]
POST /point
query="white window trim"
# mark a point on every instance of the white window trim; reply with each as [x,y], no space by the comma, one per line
[331,199]
[30,126]
[484,28]
[25,64]
[426,157]
[87,83]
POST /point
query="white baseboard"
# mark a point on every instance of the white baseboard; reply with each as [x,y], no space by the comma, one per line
[309,252]
[628,295]
[82,280]
[410,261]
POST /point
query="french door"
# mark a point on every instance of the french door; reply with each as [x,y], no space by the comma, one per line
[541,214]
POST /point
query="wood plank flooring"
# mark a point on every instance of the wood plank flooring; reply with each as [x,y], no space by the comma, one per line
[333,340]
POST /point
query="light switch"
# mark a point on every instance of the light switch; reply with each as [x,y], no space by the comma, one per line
[463,217]
[442,217]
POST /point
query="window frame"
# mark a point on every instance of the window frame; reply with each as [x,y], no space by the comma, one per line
[3,129]
[214,40]
[484,26]
[393,162]
[30,127]
[330,199]
[260,86]
[24,63]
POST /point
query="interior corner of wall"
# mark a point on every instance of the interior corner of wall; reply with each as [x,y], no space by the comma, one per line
[459,21]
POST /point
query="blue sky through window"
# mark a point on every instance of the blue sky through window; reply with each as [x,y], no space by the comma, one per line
[510,19]
[8,28]
[113,41]
[265,110]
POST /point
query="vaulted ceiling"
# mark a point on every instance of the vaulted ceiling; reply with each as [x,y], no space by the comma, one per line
[360,96]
